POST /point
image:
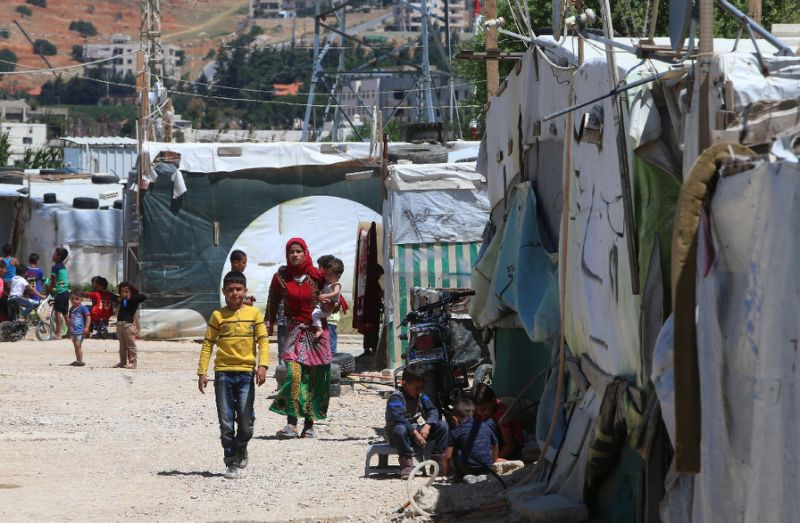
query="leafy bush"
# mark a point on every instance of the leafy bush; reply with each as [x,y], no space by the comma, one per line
[5,34]
[8,61]
[24,10]
[86,29]
[37,3]
[44,47]
[77,53]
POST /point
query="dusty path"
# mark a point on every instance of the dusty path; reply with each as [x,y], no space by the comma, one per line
[103,444]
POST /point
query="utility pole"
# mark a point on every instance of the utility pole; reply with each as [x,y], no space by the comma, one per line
[150,42]
[754,11]
[338,86]
[492,65]
[426,66]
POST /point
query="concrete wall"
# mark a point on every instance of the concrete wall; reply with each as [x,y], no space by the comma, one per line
[24,136]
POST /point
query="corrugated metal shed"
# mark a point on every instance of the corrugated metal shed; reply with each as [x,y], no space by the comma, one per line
[99,154]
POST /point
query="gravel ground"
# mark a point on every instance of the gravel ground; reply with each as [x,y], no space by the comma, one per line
[103,444]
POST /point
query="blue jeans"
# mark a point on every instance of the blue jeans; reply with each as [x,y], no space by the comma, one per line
[24,305]
[400,438]
[332,335]
[235,392]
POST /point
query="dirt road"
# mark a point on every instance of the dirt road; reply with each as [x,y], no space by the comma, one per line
[103,444]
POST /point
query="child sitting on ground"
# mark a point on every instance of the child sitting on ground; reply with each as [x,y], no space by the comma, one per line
[329,295]
[472,445]
[403,428]
[236,330]
[101,307]
[78,322]
[239,264]
[509,433]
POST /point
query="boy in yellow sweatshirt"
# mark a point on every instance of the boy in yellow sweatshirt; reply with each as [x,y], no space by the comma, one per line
[235,329]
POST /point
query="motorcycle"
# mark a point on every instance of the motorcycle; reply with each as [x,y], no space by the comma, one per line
[445,352]
[17,327]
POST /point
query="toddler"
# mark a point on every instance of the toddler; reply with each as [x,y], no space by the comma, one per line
[329,295]
[78,321]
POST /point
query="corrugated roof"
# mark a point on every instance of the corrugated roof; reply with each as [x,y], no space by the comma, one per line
[99,140]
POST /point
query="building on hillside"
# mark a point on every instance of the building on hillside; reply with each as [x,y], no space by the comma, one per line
[278,8]
[407,17]
[389,92]
[124,48]
[14,111]
[93,155]
[23,136]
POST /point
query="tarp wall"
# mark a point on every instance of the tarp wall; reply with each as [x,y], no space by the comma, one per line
[185,242]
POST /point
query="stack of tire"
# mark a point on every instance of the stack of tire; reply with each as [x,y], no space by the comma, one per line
[342,364]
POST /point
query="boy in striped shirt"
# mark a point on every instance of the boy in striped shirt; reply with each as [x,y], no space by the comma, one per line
[235,329]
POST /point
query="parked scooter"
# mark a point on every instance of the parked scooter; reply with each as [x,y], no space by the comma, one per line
[17,327]
[431,348]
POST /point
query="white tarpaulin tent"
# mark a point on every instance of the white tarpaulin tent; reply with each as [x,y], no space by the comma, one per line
[433,219]
[92,236]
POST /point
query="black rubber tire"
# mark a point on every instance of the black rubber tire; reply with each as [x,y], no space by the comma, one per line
[118,204]
[105,178]
[418,153]
[81,202]
[49,197]
[336,390]
[11,179]
[345,361]
[52,171]
[336,373]
[43,331]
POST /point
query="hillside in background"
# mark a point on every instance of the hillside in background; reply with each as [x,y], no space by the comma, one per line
[194,24]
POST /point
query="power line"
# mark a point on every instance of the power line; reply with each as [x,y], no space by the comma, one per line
[62,68]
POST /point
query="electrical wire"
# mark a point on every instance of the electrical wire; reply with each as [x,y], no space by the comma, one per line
[62,68]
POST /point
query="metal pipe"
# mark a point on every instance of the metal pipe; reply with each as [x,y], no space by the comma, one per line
[783,49]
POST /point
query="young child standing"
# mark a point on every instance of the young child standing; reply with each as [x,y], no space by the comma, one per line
[101,306]
[239,264]
[236,330]
[403,428]
[58,286]
[34,274]
[129,300]
[11,265]
[78,317]
[329,296]
[472,444]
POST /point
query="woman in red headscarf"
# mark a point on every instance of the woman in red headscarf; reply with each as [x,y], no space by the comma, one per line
[306,391]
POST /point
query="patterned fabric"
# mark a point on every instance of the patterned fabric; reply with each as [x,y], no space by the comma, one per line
[302,346]
[305,393]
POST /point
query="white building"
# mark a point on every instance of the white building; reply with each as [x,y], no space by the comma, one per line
[124,49]
[24,136]
[407,17]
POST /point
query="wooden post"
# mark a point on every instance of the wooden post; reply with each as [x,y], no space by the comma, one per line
[169,120]
[754,11]
[492,66]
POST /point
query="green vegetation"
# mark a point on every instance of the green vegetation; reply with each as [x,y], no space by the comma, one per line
[43,158]
[5,149]
[84,28]
[44,47]
[5,34]
[87,91]
[23,10]
[37,3]
[8,60]
[77,53]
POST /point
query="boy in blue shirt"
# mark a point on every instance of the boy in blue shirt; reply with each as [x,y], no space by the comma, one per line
[403,428]
[35,275]
[78,317]
[472,444]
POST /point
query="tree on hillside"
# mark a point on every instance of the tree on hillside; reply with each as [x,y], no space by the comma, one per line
[23,10]
[8,60]
[44,47]
[37,3]
[86,29]
[5,34]
[77,53]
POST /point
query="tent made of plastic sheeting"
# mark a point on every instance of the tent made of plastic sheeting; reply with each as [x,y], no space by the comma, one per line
[93,237]
[433,220]
[255,205]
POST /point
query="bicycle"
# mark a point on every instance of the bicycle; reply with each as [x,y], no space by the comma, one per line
[17,327]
